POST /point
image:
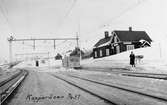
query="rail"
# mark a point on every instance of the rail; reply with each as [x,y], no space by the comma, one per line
[122,88]
[9,85]
[86,90]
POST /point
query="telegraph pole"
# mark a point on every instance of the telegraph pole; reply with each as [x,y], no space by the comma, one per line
[10,48]
[11,39]
[78,47]
[39,39]
[78,34]
[160,51]
[34,45]
[77,39]
[10,51]
[54,44]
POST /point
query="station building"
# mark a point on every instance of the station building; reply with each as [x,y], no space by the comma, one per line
[120,41]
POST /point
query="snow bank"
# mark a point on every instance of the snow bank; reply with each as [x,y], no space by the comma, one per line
[151,55]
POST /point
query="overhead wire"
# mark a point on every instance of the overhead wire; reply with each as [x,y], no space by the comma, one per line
[30,45]
[4,12]
[61,43]
[70,9]
[68,13]
[108,23]
[130,8]
[65,17]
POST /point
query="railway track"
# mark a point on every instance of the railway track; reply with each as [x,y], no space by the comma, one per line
[143,75]
[133,91]
[8,86]
[86,90]
[146,75]
[135,74]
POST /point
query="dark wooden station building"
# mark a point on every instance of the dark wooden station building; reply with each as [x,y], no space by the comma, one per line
[120,41]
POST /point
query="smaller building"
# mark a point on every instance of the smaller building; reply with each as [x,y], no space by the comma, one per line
[71,59]
[120,41]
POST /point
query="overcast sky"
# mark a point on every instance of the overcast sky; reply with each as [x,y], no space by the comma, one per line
[63,18]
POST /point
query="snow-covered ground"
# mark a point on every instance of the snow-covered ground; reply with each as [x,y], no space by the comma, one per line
[152,61]
[5,74]
[47,63]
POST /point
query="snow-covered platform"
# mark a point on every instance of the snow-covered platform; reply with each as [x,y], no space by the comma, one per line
[152,62]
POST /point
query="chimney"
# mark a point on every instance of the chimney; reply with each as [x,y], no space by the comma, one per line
[106,33]
[130,28]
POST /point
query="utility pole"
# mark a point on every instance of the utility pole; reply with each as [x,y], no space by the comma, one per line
[10,51]
[48,60]
[39,39]
[34,45]
[79,34]
[77,39]
[54,45]
[10,48]
[160,52]
[11,39]
[78,47]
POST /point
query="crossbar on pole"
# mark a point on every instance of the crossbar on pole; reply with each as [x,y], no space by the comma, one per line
[45,39]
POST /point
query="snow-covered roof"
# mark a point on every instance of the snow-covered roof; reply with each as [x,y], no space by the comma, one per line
[103,42]
[132,35]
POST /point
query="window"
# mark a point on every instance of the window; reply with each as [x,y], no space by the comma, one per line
[129,47]
[100,52]
[118,49]
[95,54]
[107,52]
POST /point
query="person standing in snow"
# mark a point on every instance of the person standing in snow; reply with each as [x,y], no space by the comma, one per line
[37,63]
[132,59]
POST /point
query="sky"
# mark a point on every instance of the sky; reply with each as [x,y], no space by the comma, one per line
[88,18]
